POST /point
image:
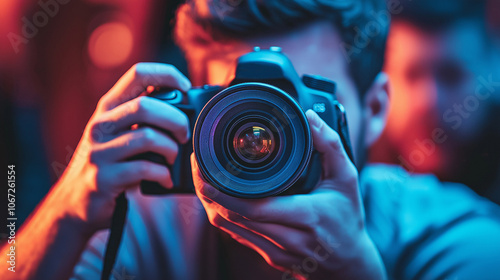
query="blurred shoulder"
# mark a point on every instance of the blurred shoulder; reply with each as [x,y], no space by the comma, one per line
[428,229]
[389,186]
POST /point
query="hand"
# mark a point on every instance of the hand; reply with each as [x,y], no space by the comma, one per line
[99,169]
[319,235]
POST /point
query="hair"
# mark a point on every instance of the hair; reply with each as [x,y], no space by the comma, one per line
[433,15]
[202,22]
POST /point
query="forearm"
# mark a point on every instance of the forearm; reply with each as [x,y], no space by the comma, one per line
[48,245]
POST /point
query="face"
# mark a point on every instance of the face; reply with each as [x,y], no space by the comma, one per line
[435,77]
[313,49]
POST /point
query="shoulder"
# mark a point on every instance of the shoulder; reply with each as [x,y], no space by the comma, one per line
[428,229]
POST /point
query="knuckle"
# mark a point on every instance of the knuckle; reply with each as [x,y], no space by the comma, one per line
[184,130]
[102,103]
[137,70]
[95,130]
[101,178]
[254,214]
[185,121]
[94,155]
[95,124]
[300,244]
[170,68]
[216,220]
[141,104]
[232,216]
[148,136]
[143,168]
[277,260]
[168,175]
[335,142]
[174,152]
[312,215]
[140,108]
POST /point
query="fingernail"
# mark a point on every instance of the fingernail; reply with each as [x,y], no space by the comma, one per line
[314,119]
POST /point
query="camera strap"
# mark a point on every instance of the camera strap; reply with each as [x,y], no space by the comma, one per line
[115,235]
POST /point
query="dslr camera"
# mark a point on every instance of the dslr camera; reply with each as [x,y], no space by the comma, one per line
[252,139]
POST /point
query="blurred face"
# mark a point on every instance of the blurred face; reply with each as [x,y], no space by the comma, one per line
[435,77]
[313,49]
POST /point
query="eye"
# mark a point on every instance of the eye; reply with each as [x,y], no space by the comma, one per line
[414,73]
[450,74]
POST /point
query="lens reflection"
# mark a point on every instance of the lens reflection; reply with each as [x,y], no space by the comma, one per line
[254,143]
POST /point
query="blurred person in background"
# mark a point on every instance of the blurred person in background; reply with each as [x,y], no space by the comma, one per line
[443,60]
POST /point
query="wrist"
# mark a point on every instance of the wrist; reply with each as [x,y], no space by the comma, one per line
[63,209]
[357,259]
[367,263]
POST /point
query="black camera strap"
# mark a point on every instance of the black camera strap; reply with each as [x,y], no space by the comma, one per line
[115,235]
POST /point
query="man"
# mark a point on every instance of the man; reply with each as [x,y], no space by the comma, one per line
[443,62]
[421,229]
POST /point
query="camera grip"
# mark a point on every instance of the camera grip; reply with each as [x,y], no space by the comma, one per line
[169,95]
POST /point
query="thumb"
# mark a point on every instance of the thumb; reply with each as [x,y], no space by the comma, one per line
[335,162]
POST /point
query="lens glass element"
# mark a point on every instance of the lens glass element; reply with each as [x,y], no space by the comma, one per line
[253,143]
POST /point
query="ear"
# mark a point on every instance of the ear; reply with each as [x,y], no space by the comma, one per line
[376,103]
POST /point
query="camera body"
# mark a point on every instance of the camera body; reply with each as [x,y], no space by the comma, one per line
[261,71]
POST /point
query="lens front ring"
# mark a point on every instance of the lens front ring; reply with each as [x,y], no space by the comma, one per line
[217,166]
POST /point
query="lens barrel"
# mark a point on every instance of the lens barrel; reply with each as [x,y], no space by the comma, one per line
[252,140]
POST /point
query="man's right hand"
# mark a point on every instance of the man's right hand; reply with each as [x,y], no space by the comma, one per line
[100,168]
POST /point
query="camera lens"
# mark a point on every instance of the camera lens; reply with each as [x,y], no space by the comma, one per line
[252,140]
[253,143]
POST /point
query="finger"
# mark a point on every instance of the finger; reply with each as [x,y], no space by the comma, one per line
[290,239]
[293,211]
[121,176]
[335,162]
[135,142]
[271,253]
[149,112]
[138,78]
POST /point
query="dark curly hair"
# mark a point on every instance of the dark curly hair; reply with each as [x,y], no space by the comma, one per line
[203,21]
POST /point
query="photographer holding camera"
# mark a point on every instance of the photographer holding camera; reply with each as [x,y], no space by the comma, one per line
[382,224]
